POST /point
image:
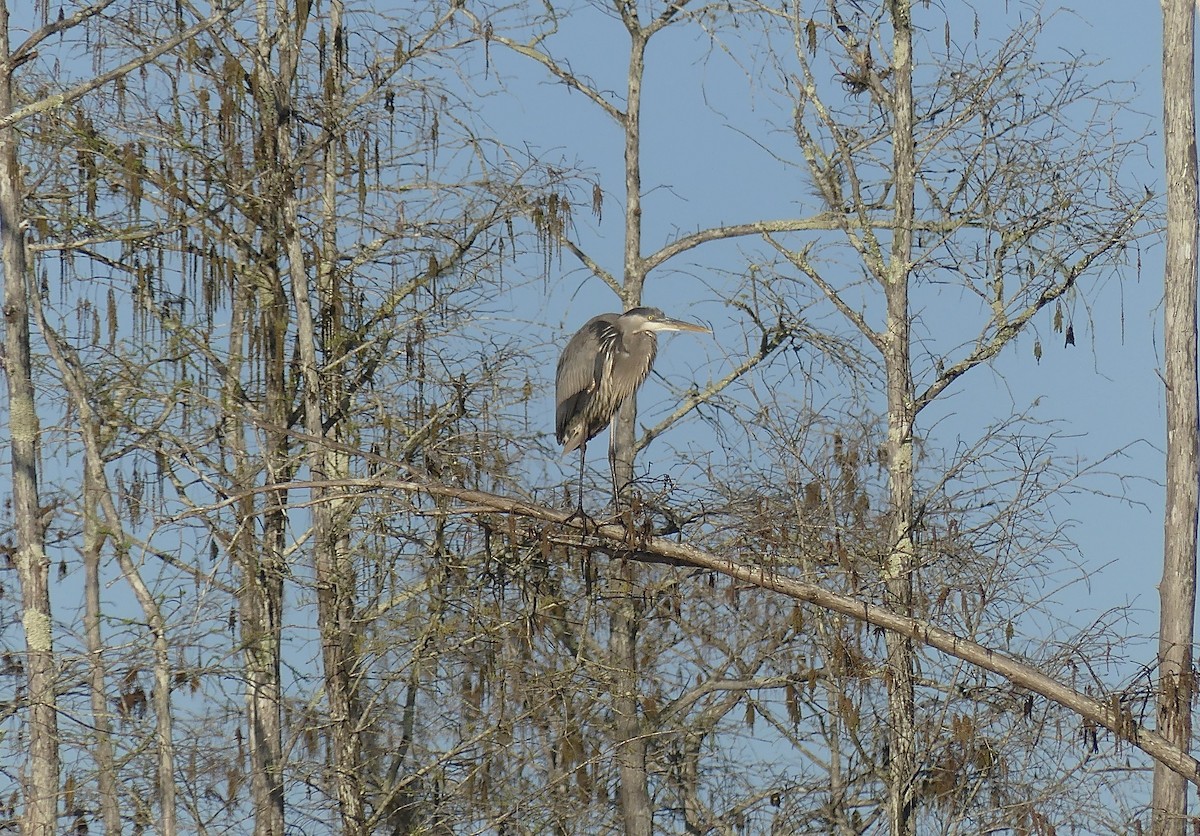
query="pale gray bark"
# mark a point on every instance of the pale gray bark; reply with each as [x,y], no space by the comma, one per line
[901,561]
[331,554]
[1177,592]
[73,377]
[93,542]
[258,603]
[40,774]
[633,790]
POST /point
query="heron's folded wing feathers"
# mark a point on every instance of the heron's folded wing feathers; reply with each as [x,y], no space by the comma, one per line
[577,373]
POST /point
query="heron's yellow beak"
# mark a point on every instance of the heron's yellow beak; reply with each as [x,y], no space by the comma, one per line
[679,325]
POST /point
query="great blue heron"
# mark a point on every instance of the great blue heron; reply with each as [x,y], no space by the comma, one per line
[602,366]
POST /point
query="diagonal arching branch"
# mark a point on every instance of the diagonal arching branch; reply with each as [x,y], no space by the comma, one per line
[629,543]
[697,397]
[592,265]
[800,261]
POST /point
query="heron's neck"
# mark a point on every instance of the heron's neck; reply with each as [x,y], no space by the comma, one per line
[637,338]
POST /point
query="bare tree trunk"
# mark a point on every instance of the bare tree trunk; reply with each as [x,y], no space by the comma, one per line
[334,570]
[160,699]
[1177,592]
[93,541]
[73,377]
[633,786]
[901,561]
[263,563]
[262,602]
[335,591]
[261,608]
[264,568]
[260,578]
[633,792]
[40,780]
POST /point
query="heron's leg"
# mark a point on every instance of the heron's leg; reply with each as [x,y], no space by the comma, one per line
[582,460]
[612,462]
[585,563]
[579,513]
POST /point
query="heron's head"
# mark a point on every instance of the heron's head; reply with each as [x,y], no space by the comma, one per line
[636,320]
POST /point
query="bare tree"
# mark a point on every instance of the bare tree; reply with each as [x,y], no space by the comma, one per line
[41,802]
[286,223]
[628,610]
[904,221]
[895,342]
[1177,591]
[31,520]
[283,281]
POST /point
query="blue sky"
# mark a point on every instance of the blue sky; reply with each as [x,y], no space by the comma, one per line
[1101,396]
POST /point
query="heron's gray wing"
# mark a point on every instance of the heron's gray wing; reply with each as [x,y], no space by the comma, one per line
[579,368]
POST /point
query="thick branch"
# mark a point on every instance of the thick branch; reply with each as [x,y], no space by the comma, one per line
[822,222]
[590,263]
[630,544]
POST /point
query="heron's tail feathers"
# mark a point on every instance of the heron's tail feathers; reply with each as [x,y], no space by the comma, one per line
[571,443]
